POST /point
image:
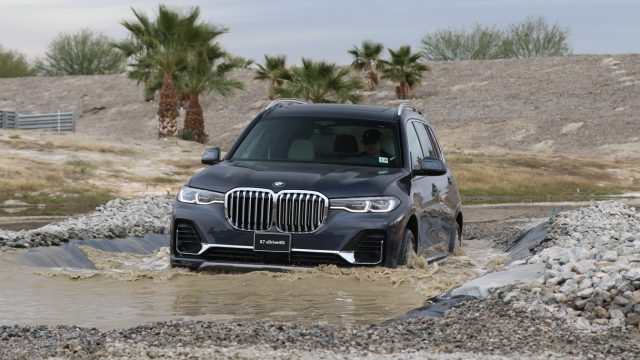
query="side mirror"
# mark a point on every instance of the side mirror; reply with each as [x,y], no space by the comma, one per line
[211,156]
[431,167]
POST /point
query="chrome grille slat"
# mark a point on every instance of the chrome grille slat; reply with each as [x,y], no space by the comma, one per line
[293,211]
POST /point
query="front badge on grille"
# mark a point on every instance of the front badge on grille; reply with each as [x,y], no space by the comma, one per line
[278,184]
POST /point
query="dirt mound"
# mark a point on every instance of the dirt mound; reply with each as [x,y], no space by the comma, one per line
[583,104]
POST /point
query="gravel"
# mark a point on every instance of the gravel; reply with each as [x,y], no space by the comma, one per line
[592,262]
[116,219]
[513,332]
[501,233]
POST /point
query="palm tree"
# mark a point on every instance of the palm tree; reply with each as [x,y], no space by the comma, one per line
[207,71]
[141,67]
[367,59]
[163,44]
[320,82]
[274,70]
[405,69]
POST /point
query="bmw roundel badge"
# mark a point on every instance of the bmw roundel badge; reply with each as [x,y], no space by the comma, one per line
[278,184]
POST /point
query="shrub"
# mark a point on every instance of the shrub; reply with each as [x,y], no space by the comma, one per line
[531,37]
[81,53]
[534,37]
[14,64]
[187,135]
[479,43]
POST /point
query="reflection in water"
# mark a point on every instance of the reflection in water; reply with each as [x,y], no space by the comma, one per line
[123,289]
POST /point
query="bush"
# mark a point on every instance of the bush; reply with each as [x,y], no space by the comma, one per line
[531,37]
[14,64]
[479,43]
[187,135]
[81,53]
[534,37]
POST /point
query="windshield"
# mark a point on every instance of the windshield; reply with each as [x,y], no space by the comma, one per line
[322,140]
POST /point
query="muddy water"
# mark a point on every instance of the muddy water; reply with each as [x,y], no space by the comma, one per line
[115,284]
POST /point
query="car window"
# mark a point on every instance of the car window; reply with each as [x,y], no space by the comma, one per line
[415,149]
[322,140]
[436,144]
[425,140]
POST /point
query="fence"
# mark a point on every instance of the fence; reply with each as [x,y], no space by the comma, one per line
[51,122]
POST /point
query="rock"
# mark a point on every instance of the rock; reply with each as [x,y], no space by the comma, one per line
[580,304]
[553,281]
[568,287]
[632,275]
[628,237]
[597,300]
[633,319]
[586,283]
[511,296]
[586,293]
[536,291]
[600,312]
[621,300]
[606,284]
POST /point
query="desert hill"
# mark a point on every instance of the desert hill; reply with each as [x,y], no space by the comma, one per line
[577,105]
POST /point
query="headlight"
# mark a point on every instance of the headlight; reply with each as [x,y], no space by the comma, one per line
[368,204]
[198,196]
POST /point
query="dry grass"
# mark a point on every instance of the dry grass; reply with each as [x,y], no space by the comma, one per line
[38,182]
[523,177]
[18,143]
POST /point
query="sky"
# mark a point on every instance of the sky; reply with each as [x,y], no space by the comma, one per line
[326,29]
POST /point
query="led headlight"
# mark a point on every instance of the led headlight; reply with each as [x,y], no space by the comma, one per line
[198,196]
[366,204]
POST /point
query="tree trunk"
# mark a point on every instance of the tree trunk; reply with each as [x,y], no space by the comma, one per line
[194,120]
[168,109]
[274,84]
[371,78]
[403,91]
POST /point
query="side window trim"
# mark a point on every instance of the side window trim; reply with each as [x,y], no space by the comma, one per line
[418,123]
[410,128]
[435,142]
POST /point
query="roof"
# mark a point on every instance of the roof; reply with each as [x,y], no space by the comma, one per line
[368,112]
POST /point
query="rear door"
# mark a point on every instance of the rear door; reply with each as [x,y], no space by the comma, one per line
[450,197]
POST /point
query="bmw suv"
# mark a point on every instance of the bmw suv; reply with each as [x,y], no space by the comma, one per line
[310,184]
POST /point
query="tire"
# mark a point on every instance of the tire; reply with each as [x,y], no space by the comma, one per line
[455,247]
[406,247]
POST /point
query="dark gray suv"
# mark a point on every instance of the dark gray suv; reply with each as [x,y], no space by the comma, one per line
[309,184]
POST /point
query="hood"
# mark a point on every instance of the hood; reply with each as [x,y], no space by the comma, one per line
[332,180]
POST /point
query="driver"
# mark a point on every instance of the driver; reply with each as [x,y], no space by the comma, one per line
[372,140]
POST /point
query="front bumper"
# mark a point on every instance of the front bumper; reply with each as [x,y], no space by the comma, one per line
[346,239]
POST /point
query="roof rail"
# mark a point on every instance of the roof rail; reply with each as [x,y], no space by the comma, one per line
[277,102]
[407,106]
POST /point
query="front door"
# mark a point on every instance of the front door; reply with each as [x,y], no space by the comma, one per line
[426,196]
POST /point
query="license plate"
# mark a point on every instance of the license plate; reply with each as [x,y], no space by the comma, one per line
[272,242]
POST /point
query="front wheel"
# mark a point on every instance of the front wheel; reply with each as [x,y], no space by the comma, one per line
[407,247]
[455,247]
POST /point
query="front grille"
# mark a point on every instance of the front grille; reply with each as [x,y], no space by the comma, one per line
[300,211]
[249,209]
[293,211]
[187,241]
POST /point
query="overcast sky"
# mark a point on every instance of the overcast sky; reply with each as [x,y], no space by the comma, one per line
[326,29]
